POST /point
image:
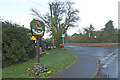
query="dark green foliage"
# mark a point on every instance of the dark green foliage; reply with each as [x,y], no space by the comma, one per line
[119,35]
[109,33]
[16,45]
[89,29]
[85,39]
[106,35]
[49,42]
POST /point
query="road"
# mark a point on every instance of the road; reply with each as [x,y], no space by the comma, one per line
[107,55]
[84,67]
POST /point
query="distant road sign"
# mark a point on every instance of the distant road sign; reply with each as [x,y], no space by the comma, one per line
[95,36]
[89,33]
[63,35]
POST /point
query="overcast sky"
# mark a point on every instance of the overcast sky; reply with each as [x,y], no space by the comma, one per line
[95,12]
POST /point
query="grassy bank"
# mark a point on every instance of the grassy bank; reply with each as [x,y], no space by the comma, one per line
[57,59]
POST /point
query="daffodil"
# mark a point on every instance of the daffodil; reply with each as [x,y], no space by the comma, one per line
[49,72]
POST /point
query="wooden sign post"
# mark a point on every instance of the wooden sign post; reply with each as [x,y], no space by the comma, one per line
[37,29]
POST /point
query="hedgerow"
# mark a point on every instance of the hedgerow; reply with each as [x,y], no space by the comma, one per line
[16,45]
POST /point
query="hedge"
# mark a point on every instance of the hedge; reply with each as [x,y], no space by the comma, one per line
[16,45]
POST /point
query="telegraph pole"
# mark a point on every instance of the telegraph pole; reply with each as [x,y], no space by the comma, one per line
[63,40]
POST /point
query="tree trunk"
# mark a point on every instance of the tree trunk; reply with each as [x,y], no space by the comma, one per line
[58,42]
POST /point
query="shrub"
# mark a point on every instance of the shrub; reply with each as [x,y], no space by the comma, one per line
[16,45]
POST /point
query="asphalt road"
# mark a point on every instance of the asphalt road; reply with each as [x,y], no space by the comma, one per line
[85,67]
[107,55]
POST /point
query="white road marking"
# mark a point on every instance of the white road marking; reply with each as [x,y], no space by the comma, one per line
[104,66]
[110,60]
[106,57]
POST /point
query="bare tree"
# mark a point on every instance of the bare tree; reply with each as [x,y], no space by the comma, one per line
[61,16]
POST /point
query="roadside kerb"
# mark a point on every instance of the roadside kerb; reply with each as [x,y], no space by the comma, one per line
[97,70]
[64,69]
[92,75]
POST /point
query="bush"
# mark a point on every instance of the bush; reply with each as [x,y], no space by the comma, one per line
[92,39]
[85,39]
[16,45]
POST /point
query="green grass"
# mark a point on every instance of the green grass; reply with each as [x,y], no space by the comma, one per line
[58,59]
[0,73]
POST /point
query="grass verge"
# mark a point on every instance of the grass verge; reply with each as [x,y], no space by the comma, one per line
[57,59]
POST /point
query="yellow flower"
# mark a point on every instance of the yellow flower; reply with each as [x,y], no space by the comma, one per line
[49,72]
[37,63]
[33,38]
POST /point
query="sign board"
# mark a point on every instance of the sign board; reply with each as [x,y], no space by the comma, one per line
[37,27]
[63,35]
[89,33]
[95,36]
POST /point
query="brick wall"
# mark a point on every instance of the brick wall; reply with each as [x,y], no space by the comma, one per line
[91,44]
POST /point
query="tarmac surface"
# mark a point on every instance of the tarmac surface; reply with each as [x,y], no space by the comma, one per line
[85,67]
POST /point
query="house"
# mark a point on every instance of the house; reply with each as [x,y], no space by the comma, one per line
[75,35]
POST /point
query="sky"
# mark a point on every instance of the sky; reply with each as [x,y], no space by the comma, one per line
[95,12]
